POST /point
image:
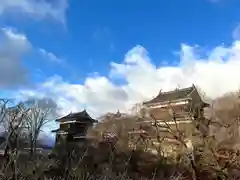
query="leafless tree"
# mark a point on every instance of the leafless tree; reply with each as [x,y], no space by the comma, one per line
[12,121]
[3,108]
[37,118]
[22,120]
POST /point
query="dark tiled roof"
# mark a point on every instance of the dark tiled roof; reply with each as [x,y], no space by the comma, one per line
[79,116]
[171,95]
[55,130]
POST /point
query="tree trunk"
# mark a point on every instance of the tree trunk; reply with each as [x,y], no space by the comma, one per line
[6,155]
[31,148]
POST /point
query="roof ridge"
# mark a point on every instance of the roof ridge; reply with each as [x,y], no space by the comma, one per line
[173,94]
[176,90]
[75,114]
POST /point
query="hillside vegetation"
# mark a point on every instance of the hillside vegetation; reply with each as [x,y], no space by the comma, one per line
[214,156]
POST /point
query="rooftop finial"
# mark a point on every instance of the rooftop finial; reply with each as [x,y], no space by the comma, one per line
[118,114]
[177,88]
[160,92]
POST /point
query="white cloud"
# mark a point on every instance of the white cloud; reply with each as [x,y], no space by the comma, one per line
[236,33]
[13,46]
[40,9]
[216,74]
[49,55]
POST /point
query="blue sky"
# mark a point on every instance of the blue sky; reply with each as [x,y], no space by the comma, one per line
[109,55]
[97,32]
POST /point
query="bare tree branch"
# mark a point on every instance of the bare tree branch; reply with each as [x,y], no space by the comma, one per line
[37,118]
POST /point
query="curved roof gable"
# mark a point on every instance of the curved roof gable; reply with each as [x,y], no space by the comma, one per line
[79,116]
[172,95]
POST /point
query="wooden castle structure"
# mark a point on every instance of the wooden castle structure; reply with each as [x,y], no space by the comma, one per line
[74,126]
[186,103]
[175,113]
